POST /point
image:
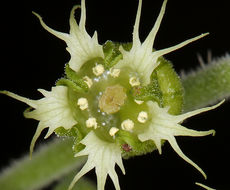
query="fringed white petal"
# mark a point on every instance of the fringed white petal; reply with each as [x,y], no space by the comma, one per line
[184,116]
[80,45]
[62,36]
[39,129]
[176,148]
[204,186]
[141,57]
[52,111]
[32,103]
[136,39]
[178,46]
[149,41]
[102,156]
[165,126]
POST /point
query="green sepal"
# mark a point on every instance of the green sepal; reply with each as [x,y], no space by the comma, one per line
[171,86]
[62,132]
[150,92]
[73,76]
[76,132]
[82,131]
[70,84]
[127,46]
[136,147]
[112,54]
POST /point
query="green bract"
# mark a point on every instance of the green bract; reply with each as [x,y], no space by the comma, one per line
[115,100]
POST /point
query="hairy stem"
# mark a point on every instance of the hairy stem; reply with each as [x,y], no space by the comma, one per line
[82,184]
[208,84]
[49,163]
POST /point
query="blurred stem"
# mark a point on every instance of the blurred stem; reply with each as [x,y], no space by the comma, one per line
[82,184]
[49,163]
[208,84]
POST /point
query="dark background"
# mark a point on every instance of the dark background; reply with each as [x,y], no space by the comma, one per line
[31,58]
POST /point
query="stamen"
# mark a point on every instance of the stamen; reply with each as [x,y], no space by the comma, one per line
[91,122]
[115,72]
[82,103]
[98,70]
[127,125]
[134,81]
[88,81]
[113,131]
[142,117]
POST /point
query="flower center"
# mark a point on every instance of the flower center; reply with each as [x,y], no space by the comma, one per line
[112,99]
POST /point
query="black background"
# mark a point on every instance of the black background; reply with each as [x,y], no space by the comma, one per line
[31,58]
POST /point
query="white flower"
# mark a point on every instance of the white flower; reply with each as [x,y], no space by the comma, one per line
[104,98]
[165,126]
[102,156]
[141,57]
[80,45]
[52,111]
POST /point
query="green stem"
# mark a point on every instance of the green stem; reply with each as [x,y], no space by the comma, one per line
[82,184]
[207,85]
[50,162]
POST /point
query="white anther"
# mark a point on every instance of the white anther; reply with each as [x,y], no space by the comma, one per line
[91,122]
[115,72]
[134,81]
[82,103]
[98,69]
[127,125]
[142,117]
[139,101]
[113,131]
[88,81]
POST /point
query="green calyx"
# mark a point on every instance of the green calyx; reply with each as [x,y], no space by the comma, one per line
[170,86]
[112,54]
[77,133]
[104,99]
[132,146]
